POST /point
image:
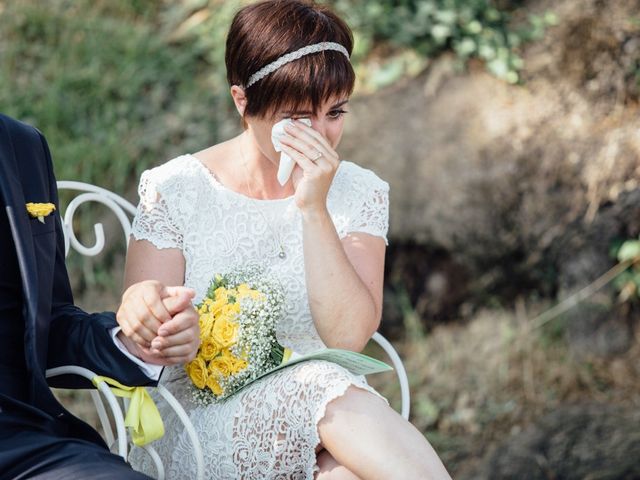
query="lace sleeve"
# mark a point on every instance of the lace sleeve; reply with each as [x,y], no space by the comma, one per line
[152,221]
[370,210]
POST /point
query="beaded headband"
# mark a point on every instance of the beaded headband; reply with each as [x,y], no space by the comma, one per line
[290,57]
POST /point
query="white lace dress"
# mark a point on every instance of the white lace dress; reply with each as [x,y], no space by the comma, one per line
[268,430]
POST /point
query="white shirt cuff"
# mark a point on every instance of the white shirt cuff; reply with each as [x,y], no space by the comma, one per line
[150,370]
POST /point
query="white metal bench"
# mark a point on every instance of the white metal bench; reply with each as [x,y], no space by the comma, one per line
[124,212]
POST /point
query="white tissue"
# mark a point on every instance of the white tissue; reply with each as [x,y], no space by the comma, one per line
[286,162]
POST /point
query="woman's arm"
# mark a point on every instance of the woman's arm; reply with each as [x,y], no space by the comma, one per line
[344,278]
[146,262]
[344,282]
[158,321]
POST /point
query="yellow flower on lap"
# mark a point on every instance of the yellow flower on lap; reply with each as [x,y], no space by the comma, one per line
[40,210]
[214,386]
[197,371]
[217,306]
[223,364]
[214,307]
[245,291]
[230,310]
[224,331]
[239,365]
[209,349]
[221,295]
[206,322]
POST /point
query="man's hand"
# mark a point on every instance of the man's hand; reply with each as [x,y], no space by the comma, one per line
[159,324]
[179,338]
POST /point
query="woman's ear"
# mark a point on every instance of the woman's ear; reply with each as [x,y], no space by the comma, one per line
[239,98]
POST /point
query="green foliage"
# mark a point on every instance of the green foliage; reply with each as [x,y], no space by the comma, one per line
[628,282]
[471,28]
[110,91]
[630,250]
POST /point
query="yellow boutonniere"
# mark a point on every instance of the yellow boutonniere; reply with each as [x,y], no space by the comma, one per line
[40,210]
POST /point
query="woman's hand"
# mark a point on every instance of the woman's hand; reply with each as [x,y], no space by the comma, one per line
[159,323]
[312,181]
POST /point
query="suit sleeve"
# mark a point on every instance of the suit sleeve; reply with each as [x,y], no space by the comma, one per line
[75,336]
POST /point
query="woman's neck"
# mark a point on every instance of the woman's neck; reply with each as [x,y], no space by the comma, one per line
[257,173]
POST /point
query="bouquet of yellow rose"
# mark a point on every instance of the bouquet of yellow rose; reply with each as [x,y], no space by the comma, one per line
[238,317]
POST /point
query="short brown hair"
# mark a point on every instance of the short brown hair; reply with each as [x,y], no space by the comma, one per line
[262,32]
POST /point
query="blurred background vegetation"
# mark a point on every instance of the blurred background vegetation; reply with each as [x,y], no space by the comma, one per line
[513,170]
[142,80]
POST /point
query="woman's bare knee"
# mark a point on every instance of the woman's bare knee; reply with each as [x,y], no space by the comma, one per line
[330,469]
[354,400]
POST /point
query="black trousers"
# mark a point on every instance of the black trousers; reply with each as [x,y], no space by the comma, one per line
[36,455]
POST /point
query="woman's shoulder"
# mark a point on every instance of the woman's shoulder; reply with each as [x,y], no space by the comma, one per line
[172,170]
[355,178]
[174,174]
[359,201]
[173,187]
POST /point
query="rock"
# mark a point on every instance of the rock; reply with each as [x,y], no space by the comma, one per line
[514,184]
[597,326]
[427,281]
[574,442]
[597,329]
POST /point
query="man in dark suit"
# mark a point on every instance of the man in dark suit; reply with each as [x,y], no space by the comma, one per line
[40,328]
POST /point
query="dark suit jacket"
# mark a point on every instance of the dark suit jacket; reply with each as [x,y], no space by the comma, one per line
[55,331]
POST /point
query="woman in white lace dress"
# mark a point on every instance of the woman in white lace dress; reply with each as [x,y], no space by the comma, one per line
[322,234]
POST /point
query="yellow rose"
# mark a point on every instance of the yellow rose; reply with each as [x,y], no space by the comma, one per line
[235,364]
[232,292]
[239,365]
[221,295]
[223,364]
[205,306]
[214,386]
[209,349]
[206,325]
[216,306]
[230,310]
[257,295]
[197,371]
[224,332]
[245,291]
